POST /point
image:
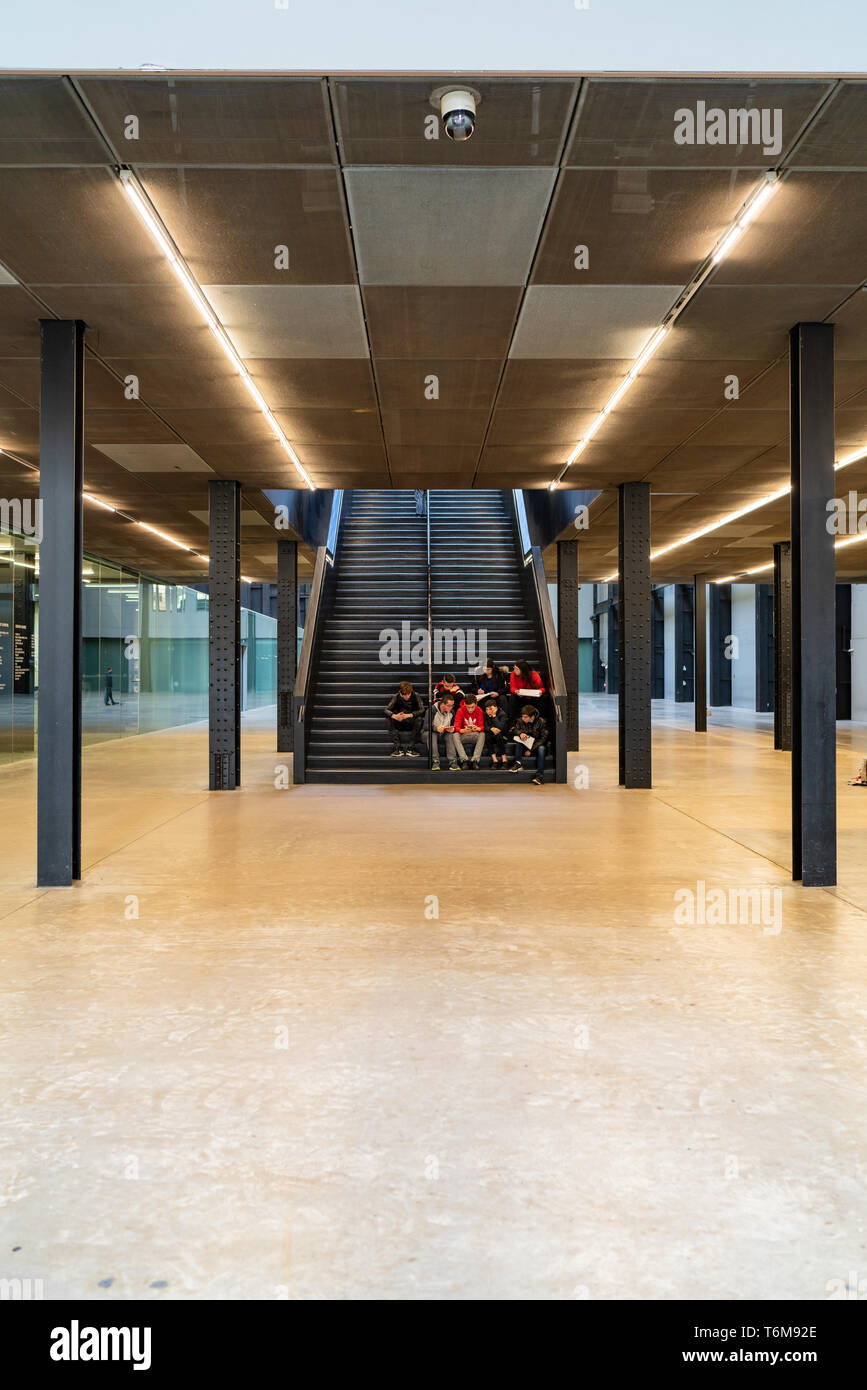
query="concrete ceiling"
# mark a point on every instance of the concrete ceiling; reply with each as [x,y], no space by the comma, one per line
[411,257]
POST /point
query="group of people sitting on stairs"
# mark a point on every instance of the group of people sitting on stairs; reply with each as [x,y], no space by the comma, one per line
[508,722]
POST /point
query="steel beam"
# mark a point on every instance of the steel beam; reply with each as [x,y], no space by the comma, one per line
[567,632]
[783,645]
[61,455]
[684,648]
[700,646]
[287,640]
[224,635]
[634,644]
[814,805]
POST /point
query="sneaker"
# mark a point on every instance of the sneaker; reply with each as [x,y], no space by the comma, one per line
[516,767]
[537,781]
[434,767]
[411,753]
[464,766]
[398,753]
[454,767]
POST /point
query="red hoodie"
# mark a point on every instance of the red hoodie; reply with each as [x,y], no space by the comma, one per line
[517,683]
[472,719]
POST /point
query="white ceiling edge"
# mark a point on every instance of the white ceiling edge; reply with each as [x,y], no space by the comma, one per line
[666,36]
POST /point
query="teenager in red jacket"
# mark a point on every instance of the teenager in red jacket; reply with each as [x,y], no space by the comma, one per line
[524,684]
[470,728]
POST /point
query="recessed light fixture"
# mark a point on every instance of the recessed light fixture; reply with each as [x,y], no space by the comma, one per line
[161,237]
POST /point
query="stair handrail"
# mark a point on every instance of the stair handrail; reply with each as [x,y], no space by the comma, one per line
[535,567]
[429,715]
[325,556]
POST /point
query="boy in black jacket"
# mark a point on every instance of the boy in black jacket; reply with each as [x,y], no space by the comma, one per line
[529,725]
[496,726]
[404,714]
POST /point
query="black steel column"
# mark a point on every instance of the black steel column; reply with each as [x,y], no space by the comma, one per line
[814,805]
[612,669]
[765,659]
[684,646]
[634,646]
[61,455]
[844,651]
[567,632]
[700,610]
[783,645]
[224,634]
[287,640]
[720,631]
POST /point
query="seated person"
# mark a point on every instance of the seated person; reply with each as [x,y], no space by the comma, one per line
[860,778]
[404,714]
[489,681]
[469,728]
[448,686]
[442,732]
[496,726]
[524,684]
[528,735]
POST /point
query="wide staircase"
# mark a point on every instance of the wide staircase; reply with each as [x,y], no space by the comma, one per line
[381,583]
[476,580]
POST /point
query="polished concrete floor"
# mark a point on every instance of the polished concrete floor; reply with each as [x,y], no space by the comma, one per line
[437,1042]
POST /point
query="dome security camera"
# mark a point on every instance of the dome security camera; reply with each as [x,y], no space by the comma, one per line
[457,106]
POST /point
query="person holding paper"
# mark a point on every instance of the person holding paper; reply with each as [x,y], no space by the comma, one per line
[524,684]
[528,734]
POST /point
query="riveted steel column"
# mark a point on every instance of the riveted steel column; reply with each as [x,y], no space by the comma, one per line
[224,633]
[765,661]
[720,656]
[783,645]
[634,649]
[567,632]
[814,805]
[61,455]
[287,640]
[700,610]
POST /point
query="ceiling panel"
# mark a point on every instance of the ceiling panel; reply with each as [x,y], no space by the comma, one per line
[421,322]
[140,320]
[232,224]
[19,324]
[155,458]
[836,140]
[747,322]
[424,226]
[461,383]
[98,240]
[341,384]
[385,121]
[203,120]
[811,234]
[456,461]
[42,123]
[521,427]
[435,425]
[560,383]
[632,121]
[639,226]
[292,320]
[589,320]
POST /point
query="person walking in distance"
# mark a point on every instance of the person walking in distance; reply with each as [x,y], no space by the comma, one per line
[109,687]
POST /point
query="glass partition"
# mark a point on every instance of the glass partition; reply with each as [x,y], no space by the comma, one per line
[144,652]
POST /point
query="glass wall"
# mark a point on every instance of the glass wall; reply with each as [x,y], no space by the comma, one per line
[144,652]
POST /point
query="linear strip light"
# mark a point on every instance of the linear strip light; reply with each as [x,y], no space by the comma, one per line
[163,535]
[751,208]
[759,569]
[160,236]
[745,511]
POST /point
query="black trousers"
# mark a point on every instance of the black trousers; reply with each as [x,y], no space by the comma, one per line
[396,727]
